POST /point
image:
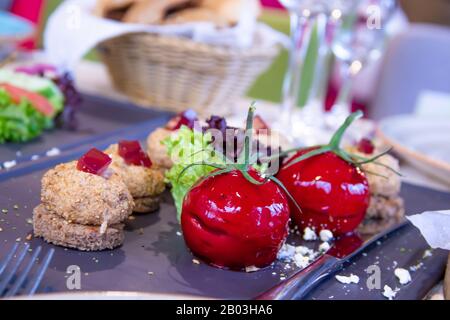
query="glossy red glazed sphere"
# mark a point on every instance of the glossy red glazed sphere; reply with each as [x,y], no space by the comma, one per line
[332,193]
[230,222]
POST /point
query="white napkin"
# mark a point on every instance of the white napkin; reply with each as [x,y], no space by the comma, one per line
[73,30]
[434,226]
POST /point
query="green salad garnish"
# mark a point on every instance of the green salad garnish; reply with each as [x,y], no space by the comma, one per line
[186,147]
[20,122]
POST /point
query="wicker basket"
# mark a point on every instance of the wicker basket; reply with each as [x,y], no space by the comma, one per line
[175,73]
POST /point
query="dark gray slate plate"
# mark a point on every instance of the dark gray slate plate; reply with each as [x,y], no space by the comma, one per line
[403,249]
[152,245]
[98,119]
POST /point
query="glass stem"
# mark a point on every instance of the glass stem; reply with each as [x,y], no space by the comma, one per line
[317,92]
[291,82]
[344,98]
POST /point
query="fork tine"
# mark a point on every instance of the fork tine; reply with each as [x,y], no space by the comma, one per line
[18,284]
[40,273]
[11,273]
[8,258]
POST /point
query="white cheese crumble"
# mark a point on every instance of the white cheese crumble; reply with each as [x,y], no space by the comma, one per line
[103,227]
[325,235]
[9,164]
[251,269]
[352,278]
[309,234]
[107,173]
[304,250]
[286,252]
[416,267]
[301,261]
[388,292]
[427,253]
[301,256]
[34,157]
[324,247]
[53,152]
[402,275]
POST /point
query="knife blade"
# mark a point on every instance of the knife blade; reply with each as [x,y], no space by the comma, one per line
[304,280]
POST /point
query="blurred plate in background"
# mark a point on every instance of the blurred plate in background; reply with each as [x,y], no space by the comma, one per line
[424,142]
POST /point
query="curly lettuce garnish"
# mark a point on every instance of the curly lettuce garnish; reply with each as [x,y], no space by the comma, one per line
[185,148]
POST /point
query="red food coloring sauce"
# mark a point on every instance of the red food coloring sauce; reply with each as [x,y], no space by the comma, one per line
[94,161]
[186,118]
[133,154]
[366,146]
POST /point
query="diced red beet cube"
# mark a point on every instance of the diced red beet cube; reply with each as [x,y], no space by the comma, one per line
[186,118]
[259,124]
[366,146]
[94,161]
[133,154]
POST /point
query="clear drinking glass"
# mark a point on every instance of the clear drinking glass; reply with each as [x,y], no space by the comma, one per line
[304,15]
[357,44]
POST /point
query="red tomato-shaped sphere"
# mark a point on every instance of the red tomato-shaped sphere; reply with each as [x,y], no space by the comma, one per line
[232,223]
[332,193]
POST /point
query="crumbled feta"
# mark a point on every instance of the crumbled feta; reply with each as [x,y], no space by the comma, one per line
[107,173]
[103,227]
[309,234]
[301,256]
[427,253]
[388,292]
[402,275]
[301,261]
[34,157]
[416,267]
[325,235]
[304,250]
[251,269]
[352,278]
[324,247]
[179,233]
[9,164]
[53,152]
[286,252]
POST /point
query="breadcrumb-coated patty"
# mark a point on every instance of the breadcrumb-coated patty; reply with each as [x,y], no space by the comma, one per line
[385,182]
[54,229]
[383,212]
[85,198]
[141,181]
[146,204]
[381,207]
[156,150]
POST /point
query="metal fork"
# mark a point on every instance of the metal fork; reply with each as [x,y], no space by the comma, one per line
[25,282]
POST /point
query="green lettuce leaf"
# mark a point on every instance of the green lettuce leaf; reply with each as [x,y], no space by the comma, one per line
[20,122]
[43,86]
[187,147]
